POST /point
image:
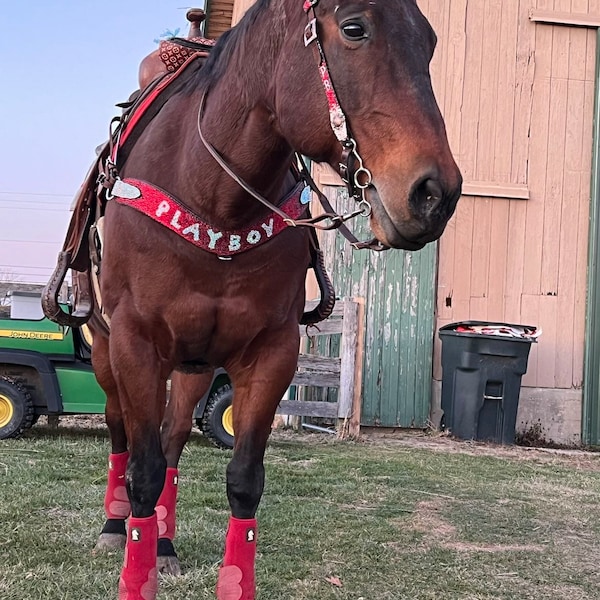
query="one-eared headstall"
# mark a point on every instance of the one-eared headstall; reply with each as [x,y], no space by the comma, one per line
[163,208]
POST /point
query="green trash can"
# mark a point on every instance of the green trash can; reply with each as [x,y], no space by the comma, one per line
[482,367]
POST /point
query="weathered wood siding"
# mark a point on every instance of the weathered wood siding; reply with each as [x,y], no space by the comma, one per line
[517,95]
[239,8]
[518,101]
[399,292]
[219,15]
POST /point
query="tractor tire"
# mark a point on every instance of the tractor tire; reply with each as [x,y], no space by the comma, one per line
[217,421]
[16,408]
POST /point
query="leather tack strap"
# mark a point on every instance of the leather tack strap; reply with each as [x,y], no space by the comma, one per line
[373,244]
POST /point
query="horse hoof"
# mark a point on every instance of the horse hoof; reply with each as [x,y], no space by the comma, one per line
[168,565]
[110,541]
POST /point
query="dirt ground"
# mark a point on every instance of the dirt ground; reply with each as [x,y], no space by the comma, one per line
[440,442]
[433,441]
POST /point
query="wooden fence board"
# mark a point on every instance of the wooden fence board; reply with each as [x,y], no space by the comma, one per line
[343,372]
[296,408]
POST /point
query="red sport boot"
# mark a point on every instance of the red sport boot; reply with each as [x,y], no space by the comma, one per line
[139,577]
[236,576]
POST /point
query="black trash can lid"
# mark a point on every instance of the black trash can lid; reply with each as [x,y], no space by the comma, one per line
[527,333]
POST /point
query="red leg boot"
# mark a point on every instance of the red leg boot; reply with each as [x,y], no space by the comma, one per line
[116,502]
[167,561]
[139,578]
[165,507]
[236,576]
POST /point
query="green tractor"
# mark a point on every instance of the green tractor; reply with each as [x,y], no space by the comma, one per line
[45,369]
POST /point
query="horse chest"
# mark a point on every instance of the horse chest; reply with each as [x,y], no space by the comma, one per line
[226,328]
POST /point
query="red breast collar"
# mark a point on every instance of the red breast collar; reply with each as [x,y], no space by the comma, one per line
[163,208]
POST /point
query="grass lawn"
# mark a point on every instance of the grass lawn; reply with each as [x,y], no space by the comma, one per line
[416,517]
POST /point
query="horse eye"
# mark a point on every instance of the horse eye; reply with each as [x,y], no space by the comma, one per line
[354,31]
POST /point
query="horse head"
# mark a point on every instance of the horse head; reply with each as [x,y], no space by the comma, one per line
[377,54]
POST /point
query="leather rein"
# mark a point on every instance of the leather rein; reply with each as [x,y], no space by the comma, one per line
[351,169]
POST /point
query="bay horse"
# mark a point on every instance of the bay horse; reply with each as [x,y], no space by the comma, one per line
[343,83]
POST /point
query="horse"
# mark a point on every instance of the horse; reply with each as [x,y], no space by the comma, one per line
[214,273]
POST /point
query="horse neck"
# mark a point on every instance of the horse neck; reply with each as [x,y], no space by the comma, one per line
[239,121]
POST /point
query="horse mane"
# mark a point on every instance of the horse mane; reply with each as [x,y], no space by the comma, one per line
[239,40]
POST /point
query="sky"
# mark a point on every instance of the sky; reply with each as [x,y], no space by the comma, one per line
[65,64]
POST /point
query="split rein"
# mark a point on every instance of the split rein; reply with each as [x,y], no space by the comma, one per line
[351,169]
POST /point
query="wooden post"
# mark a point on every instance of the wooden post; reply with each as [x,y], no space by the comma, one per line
[348,356]
[354,426]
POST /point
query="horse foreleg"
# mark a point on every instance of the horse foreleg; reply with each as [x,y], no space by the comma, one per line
[145,478]
[256,397]
[136,369]
[176,428]
[116,502]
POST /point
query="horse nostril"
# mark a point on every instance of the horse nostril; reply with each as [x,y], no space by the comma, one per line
[426,196]
[432,191]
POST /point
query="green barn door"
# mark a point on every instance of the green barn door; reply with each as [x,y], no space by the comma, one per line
[399,292]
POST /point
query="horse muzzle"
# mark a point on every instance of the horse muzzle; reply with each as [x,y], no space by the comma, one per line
[419,218]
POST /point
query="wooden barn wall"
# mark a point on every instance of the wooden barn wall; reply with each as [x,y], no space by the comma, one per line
[517,97]
[518,101]
[219,15]
[239,8]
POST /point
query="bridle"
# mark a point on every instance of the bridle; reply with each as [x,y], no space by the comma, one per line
[352,170]
[354,174]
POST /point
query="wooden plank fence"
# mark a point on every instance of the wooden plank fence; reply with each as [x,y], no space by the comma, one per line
[343,372]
